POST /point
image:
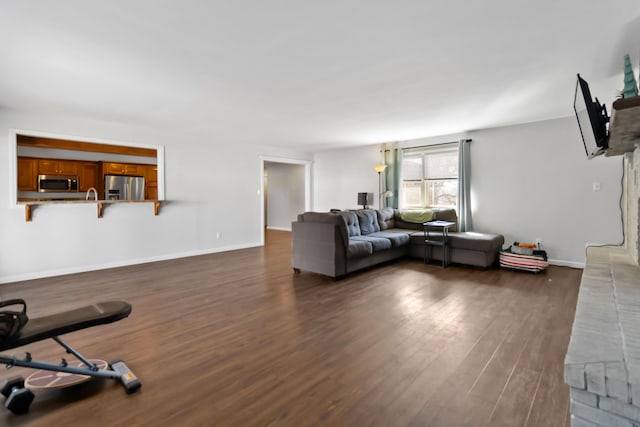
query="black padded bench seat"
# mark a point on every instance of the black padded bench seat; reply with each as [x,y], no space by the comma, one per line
[40,328]
[19,396]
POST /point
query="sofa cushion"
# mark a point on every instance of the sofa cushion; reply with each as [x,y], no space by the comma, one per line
[417,216]
[397,238]
[385,218]
[447,215]
[379,243]
[351,221]
[409,226]
[330,218]
[368,219]
[440,214]
[400,223]
[359,248]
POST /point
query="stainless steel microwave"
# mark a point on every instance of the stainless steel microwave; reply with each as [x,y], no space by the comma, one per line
[57,183]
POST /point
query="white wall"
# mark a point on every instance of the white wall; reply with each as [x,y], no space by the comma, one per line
[339,175]
[528,181]
[285,190]
[540,174]
[210,186]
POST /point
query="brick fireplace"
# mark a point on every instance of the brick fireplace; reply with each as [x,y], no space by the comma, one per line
[602,365]
[631,203]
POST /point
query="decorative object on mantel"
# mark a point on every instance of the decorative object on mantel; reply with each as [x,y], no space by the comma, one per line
[630,86]
[624,128]
[624,132]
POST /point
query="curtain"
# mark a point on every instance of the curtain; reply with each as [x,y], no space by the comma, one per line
[392,158]
[464,186]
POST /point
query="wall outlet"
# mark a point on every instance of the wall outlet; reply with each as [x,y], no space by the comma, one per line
[597,186]
[218,235]
[538,242]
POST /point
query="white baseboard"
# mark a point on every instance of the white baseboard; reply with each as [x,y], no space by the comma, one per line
[278,228]
[563,263]
[124,263]
[580,265]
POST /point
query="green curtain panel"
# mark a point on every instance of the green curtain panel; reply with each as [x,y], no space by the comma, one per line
[392,158]
[464,186]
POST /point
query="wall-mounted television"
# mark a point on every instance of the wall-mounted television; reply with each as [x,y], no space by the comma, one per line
[593,120]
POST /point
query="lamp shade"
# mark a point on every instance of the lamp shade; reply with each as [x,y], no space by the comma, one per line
[365,199]
[379,168]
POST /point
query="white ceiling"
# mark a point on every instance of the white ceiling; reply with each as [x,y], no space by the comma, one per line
[313,74]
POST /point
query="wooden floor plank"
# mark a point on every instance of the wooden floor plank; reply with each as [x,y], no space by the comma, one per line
[237,338]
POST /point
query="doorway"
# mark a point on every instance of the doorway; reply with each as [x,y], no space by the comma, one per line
[286,192]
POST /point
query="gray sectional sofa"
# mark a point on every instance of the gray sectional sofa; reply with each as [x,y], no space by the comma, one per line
[338,243]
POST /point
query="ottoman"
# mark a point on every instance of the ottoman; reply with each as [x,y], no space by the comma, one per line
[467,247]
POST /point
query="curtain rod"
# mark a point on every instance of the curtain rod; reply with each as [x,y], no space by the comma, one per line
[434,145]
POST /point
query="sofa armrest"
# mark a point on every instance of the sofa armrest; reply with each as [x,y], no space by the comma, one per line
[319,248]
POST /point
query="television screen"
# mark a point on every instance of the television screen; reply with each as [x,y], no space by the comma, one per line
[592,120]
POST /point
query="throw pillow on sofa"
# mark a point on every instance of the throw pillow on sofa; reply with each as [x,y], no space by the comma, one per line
[368,219]
[385,218]
[351,220]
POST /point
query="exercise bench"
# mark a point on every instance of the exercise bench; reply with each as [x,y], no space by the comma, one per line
[52,326]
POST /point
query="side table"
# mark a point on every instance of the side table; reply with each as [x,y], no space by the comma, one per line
[429,242]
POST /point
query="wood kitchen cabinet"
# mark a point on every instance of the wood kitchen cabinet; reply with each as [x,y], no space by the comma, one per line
[29,168]
[151,182]
[27,174]
[109,168]
[88,176]
[57,167]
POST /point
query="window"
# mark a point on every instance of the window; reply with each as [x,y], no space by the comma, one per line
[430,177]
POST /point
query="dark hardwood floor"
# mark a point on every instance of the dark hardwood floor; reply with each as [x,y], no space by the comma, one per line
[236,339]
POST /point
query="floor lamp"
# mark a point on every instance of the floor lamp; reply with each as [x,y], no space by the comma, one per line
[380,169]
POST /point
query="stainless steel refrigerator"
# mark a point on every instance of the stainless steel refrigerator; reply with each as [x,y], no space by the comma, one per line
[121,187]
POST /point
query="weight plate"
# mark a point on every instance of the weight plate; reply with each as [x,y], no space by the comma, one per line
[50,379]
